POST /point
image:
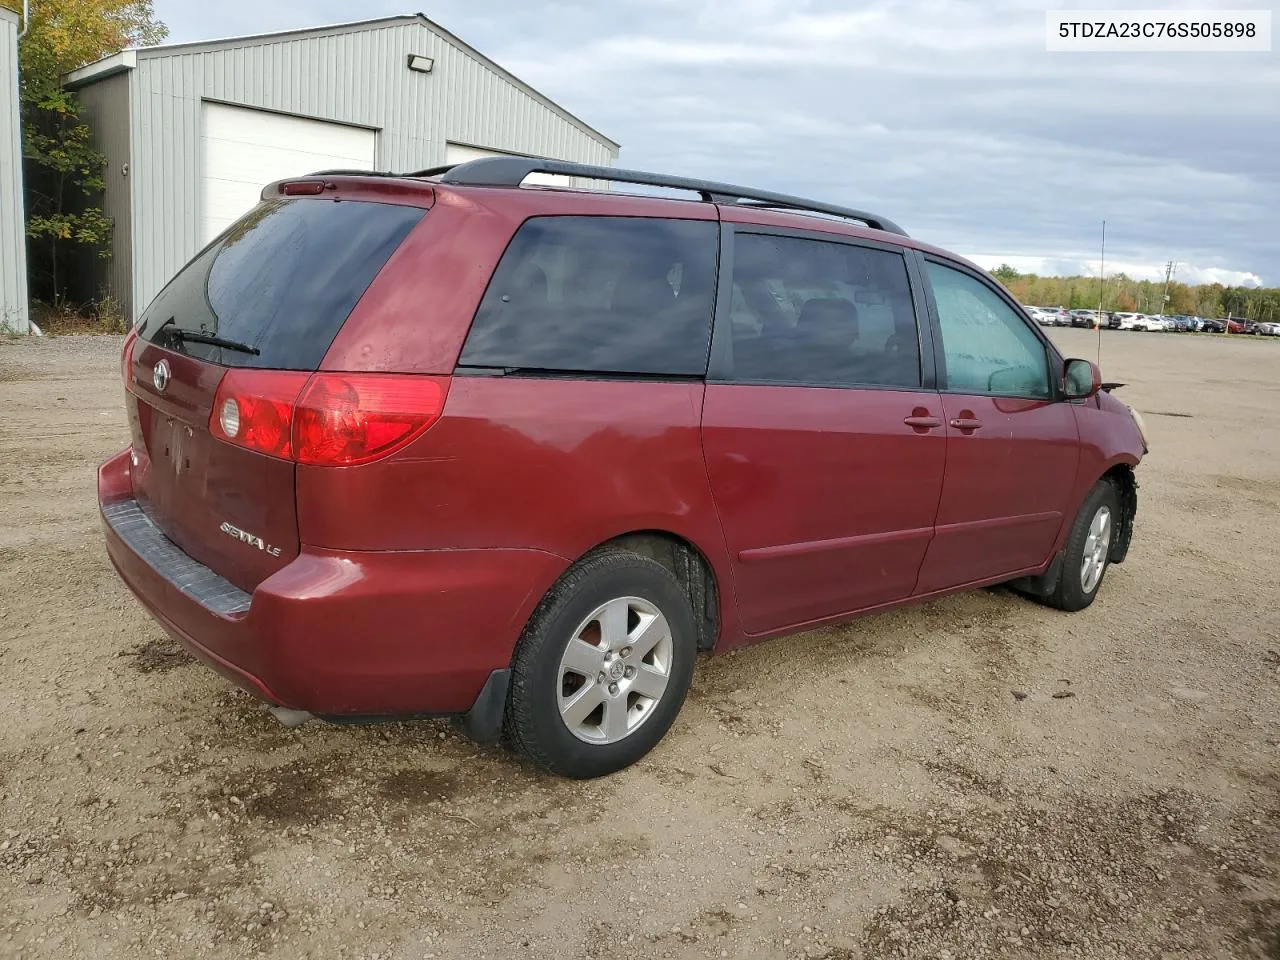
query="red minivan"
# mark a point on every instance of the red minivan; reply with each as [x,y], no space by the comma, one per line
[440,444]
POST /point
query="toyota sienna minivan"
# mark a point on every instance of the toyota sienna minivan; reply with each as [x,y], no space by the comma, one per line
[442,444]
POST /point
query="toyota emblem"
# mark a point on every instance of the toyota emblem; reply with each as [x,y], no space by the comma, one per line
[160,375]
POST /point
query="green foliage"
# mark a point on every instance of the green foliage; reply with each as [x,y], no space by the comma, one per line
[63,173]
[66,34]
[59,145]
[1144,296]
[1005,273]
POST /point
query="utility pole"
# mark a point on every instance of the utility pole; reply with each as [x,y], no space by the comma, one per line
[1102,289]
[1168,275]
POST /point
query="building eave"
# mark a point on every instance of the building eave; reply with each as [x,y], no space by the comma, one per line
[100,69]
[128,59]
[536,94]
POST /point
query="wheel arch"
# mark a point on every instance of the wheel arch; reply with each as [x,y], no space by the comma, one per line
[690,566]
[1121,476]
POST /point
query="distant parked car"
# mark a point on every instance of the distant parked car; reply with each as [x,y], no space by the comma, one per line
[1084,318]
[1269,329]
[1213,326]
[1237,325]
[1050,316]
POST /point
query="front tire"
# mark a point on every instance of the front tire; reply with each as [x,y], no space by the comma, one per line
[603,666]
[1087,553]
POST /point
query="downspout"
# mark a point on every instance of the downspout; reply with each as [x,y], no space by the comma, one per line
[26,25]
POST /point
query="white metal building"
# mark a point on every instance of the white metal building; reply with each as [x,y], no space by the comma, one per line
[13,241]
[193,131]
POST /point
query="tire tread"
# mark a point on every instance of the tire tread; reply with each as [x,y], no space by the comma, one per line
[538,641]
[1067,594]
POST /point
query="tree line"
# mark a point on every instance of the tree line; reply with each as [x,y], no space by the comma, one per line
[1124,294]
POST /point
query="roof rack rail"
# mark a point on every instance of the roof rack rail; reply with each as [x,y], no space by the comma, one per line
[511,172]
[347,173]
[433,171]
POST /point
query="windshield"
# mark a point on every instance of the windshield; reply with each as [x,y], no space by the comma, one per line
[279,282]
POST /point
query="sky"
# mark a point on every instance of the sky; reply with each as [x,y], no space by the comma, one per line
[949,118]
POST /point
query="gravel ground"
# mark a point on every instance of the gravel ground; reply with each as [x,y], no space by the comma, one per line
[873,790]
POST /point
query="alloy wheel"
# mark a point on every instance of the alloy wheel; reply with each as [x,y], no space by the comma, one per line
[614,670]
[1096,546]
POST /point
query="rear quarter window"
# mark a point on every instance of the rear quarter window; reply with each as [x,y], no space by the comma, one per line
[623,295]
[810,311]
[282,280]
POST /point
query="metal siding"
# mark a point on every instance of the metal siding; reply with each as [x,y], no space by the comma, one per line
[13,240]
[105,106]
[415,114]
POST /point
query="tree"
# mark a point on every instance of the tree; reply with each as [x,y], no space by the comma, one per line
[1005,274]
[64,173]
[62,170]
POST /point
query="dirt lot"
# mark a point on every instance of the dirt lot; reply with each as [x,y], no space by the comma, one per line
[869,791]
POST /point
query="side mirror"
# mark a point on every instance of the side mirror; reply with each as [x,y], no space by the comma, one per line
[1081,379]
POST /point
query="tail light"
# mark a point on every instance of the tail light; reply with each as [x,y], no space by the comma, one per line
[126,359]
[302,188]
[254,409]
[325,419]
[343,419]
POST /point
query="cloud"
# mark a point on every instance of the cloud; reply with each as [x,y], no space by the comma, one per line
[1084,267]
[947,117]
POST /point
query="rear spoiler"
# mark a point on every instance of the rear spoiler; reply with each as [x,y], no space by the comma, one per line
[1108,387]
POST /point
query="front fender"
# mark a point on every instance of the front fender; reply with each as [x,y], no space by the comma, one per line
[1110,443]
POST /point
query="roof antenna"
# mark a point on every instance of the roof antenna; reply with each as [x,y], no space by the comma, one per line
[1102,286]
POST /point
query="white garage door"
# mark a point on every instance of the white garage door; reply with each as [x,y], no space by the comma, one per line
[244,150]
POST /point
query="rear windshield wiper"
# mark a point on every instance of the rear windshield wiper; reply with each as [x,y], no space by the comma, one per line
[195,336]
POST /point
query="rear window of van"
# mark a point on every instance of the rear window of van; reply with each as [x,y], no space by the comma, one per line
[281,281]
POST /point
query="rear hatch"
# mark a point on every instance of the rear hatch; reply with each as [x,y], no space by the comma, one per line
[248,319]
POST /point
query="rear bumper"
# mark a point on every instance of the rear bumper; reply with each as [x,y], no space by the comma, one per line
[338,633]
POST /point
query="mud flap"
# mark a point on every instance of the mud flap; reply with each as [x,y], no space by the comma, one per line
[483,722]
[1043,585]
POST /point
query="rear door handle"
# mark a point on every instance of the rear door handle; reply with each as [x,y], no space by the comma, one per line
[966,423]
[923,423]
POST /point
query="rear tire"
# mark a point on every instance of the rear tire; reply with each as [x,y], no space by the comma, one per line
[1088,550]
[603,666]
